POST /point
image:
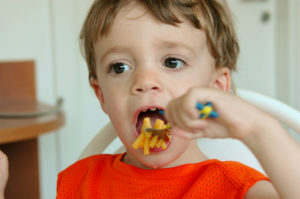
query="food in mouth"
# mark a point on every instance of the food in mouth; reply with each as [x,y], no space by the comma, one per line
[151,140]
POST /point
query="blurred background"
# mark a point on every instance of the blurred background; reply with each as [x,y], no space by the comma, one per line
[47,31]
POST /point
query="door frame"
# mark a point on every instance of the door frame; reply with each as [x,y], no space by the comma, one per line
[288,51]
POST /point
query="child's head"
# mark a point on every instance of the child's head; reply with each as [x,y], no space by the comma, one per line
[143,53]
[211,16]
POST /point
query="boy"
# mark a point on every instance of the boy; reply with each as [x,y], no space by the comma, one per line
[147,55]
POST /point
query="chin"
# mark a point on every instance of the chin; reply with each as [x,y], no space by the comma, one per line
[160,160]
[157,164]
[170,157]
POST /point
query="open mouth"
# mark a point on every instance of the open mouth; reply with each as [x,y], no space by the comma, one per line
[153,114]
[150,126]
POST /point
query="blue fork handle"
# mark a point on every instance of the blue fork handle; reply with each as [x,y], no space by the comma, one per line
[206,110]
[161,112]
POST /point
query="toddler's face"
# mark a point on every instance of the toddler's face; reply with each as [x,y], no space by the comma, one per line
[143,63]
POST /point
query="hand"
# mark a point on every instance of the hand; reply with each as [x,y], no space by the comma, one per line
[236,118]
[3,173]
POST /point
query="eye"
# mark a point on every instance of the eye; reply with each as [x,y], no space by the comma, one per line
[118,68]
[173,62]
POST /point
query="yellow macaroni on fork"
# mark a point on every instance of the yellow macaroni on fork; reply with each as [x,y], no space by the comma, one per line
[147,140]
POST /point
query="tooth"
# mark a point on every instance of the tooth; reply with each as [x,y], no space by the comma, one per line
[153,109]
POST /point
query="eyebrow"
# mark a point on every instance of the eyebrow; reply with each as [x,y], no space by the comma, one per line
[160,44]
[115,49]
[173,45]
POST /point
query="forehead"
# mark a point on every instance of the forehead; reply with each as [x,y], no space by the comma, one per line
[134,24]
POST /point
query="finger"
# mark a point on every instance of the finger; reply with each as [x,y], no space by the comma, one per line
[176,121]
[169,112]
[191,111]
[179,132]
[3,171]
[181,120]
[3,162]
[198,125]
[176,131]
[215,130]
[189,136]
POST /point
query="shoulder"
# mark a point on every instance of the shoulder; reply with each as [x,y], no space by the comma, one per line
[87,164]
[254,185]
[241,173]
[72,177]
[242,176]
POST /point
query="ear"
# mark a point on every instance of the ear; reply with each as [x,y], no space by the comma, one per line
[222,79]
[98,91]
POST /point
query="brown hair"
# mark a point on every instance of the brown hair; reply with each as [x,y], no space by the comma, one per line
[208,15]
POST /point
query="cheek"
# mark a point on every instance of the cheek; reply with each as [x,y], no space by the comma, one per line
[201,74]
[109,103]
[107,100]
[193,80]
[114,103]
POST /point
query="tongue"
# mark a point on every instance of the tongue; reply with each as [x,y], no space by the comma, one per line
[153,117]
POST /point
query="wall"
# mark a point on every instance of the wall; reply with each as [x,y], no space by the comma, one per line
[287,54]
[256,69]
[294,19]
[84,117]
[294,56]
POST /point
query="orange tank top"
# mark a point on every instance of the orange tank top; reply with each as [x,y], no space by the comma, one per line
[106,176]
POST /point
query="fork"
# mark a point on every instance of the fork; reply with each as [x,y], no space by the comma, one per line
[167,129]
[205,110]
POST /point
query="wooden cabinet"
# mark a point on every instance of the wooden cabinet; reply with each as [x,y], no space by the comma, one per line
[22,120]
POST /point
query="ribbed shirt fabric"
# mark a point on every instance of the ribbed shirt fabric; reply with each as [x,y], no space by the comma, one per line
[106,176]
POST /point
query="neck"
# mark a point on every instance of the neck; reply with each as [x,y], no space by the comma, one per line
[191,155]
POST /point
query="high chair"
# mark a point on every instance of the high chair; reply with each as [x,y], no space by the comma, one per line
[106,140]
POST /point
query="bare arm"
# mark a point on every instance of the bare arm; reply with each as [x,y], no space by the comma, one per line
[276,150]
[279,154]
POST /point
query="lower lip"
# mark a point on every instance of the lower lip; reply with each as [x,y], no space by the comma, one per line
[157,150]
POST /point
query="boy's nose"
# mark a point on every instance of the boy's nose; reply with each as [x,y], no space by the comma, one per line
[146,82]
